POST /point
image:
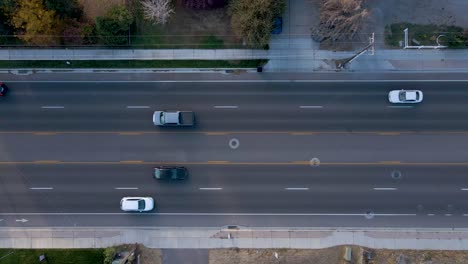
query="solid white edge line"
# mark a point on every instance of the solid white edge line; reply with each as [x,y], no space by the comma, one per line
[211,189]
[400,106]
[41,188]
[310,106]
[385,189]
[52,107]
[247,81]
[297,189]
[126,188]
[137,106]
[226,106]
[209,214]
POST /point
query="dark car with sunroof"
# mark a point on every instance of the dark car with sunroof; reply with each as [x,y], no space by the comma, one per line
[3,89]
[170,173]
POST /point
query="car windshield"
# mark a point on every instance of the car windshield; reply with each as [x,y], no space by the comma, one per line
[141,205]
[402,96]
[161,118]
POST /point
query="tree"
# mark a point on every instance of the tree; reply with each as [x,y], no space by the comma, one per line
[157,11]
[341,19]
[253,19]
[8,7]
[113,27]
[109,255]
[34,24]
[65,8]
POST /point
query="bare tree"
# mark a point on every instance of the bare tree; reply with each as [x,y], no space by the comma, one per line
[341,19]
[157,11]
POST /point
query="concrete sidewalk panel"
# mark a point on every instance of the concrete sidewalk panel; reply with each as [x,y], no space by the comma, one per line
[42,242]
[84,234]
[384,243]
[6,243]
[262,243]
[244,243]
[167,243]
[188,242]
[16,234]
[21,243]
[62,242]
[63,234]
[41,234]
[281,243]
[84,243]
[301,242]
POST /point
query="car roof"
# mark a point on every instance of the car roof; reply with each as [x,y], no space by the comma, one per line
[131,203]
[170,172]
[171,117]
[411,95]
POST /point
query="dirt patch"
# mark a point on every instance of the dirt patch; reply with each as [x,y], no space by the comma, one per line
[334,255]
[95,8]
[147,255]
[290,256]
[385,256]
[187,28]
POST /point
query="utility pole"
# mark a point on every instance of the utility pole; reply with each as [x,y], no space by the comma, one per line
[370,47]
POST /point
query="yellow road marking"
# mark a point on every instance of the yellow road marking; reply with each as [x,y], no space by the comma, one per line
[303,133]
[47,161]
[301,162]
[390,133]
[45,133]
[129,133]
[216,133]
[390,162]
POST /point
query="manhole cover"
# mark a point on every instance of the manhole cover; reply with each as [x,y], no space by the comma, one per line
[396,174]
[315,162]
[369,214]
[234,143]
[420,207]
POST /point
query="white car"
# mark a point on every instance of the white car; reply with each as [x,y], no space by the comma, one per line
[405,96]
[137,204]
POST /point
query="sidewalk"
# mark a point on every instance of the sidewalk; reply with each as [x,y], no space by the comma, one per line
[228,238]
[284,60]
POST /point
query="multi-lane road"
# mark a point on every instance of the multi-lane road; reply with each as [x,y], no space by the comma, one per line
[262,154]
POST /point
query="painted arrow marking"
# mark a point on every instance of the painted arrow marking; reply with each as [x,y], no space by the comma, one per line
[22,220]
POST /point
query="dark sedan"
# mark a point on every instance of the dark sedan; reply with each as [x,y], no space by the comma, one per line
[3,89]
[170,173]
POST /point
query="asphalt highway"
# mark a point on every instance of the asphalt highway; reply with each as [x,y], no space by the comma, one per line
[227,194]
[262,154]
[326,106]
[186,148]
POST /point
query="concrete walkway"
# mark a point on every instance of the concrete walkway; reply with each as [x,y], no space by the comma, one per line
[226,238]
[286,60]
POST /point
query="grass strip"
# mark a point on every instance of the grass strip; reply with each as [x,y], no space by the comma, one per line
[62,256]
